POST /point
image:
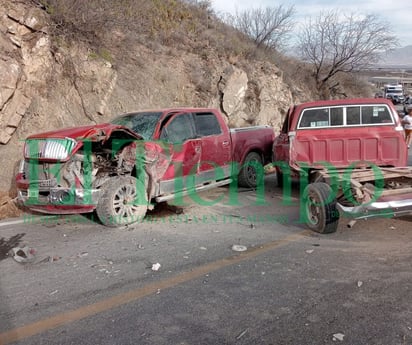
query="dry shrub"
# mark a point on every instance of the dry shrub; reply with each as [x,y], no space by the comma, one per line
[95,20]
[200,76]
[189,25]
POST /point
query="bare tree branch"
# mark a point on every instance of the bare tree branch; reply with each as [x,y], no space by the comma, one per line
[334,43]
[268,27]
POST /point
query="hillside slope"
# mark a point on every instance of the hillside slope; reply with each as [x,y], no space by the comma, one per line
[44,87]
[398,57]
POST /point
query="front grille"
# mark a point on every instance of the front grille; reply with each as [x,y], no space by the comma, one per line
[41,175]
[57,149]
[44,183]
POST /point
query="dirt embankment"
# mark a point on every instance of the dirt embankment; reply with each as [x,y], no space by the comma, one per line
[8,206]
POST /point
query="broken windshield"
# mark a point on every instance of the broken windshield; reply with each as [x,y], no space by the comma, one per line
[143,123]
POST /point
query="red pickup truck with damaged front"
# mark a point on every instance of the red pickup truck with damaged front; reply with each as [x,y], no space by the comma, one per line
[122,168]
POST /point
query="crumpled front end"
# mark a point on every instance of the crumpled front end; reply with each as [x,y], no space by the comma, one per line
[65,176]
[56,188]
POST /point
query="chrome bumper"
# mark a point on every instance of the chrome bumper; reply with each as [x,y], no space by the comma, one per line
[59,197]
[378,209]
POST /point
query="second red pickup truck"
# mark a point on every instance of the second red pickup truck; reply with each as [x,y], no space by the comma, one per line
[121,168]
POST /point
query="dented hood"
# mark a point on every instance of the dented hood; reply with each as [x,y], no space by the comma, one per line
[93,132]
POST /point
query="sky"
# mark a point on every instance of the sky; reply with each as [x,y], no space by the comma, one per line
[397,13]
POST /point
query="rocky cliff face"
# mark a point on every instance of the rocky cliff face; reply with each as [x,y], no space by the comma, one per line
[44,87]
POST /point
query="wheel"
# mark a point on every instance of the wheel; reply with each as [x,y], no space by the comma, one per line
[123,201]
[320,211]
[251,168]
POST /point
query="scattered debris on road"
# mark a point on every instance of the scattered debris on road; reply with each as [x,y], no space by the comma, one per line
[239,248]
[23,254]
[48,259]
[156,266]
[338,336]
[175,209]
[241,334]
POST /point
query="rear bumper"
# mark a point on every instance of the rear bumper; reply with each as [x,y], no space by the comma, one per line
[59,200]
[394,208]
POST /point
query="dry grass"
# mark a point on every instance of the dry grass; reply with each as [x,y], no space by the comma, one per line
[8,207]
[110,27]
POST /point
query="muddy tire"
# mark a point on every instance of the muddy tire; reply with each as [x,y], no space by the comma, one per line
[249,173]
[123,201]
[320,211]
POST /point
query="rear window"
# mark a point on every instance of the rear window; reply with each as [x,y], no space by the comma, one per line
[360,115]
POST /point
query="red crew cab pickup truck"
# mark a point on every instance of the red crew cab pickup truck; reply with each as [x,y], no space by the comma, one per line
[121,168]
[350,157]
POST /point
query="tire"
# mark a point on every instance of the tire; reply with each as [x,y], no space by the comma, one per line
[321,213]
[116,204]
[249,173]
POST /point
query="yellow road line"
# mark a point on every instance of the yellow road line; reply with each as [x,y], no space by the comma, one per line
[58,320]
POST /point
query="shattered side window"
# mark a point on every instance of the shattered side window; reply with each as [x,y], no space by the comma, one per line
[143,123]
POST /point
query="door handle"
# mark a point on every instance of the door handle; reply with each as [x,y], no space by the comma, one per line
[225,143]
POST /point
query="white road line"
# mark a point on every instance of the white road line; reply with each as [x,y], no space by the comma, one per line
[12,222]
[25,219]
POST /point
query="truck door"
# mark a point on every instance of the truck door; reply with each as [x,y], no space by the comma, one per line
[216,146]
[184,148]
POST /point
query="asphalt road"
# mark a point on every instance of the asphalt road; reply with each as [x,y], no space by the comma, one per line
[94,285]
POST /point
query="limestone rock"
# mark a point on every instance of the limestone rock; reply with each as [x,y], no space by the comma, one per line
[44,88]
[10,72]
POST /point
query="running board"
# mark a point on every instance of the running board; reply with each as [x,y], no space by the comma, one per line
[197,189]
